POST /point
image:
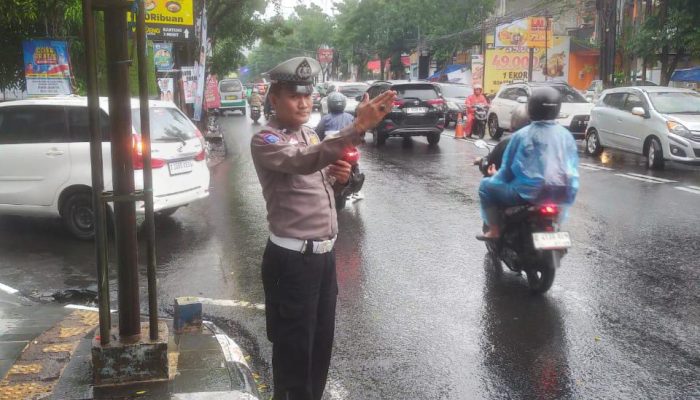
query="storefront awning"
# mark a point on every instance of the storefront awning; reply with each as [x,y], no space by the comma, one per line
[686,75]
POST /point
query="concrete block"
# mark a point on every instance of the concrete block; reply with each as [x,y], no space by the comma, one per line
[120,363]
[188,314]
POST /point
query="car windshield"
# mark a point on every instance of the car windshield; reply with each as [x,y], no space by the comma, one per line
[230,86]
[421,92]
[167,124]
[456,91]
[352,91]
[569,95]
[676,102]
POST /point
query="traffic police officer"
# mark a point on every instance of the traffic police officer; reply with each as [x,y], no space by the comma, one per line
[300,176]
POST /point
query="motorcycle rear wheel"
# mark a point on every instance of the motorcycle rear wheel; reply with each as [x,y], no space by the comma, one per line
[541,277]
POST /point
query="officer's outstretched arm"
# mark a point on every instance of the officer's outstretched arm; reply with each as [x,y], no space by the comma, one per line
[272,151]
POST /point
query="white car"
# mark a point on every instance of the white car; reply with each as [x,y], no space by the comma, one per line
[348,89]
[574,115]
[661,123]
[45,159]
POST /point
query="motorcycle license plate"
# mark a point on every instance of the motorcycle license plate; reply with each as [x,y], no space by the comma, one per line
[551,241]
[231,97]
[416,110]
[180,167]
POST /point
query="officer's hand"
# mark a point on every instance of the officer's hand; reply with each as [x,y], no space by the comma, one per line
[340,171]
[370,113]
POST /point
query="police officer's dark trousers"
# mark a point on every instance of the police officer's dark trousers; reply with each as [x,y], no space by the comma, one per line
[300,298]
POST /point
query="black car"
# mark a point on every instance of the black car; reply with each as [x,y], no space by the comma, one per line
[455,95]
[419,110]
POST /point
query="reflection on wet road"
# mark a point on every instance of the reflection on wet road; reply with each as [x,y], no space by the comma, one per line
[422,313]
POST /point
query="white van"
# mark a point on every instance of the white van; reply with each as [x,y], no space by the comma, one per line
[232,95]
[45,159]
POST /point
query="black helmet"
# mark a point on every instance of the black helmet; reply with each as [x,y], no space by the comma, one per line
[520,118]
[544,104]
[336,102]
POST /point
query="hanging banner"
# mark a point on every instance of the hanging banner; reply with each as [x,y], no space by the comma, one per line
[477,70]
[534,32]
[163,56]
[200,67]
[325,56]
[189,83]
[168,19]
[212,97]
[46,67]
[556,66]
[166,86]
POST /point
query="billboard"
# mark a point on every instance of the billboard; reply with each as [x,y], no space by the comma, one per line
[168,19]
[189,83]
[478,69]
[46,67]
[534,32]
[166,86]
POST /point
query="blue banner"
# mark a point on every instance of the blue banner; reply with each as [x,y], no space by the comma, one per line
[46,67]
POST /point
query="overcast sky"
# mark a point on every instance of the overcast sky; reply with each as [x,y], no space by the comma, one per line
[288,6]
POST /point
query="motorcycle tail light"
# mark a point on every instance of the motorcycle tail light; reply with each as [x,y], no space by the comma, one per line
[549,209]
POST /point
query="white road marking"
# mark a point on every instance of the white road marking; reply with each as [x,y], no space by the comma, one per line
[662,180]
[638,178]
[86,308]
[597,167]
[689,189]
[589,168]
[8,289]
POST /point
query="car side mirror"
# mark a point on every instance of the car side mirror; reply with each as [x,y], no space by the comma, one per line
[521,99]
[359,98]
[639,111]
[481,144]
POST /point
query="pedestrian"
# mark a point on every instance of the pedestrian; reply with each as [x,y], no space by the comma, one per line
[295,170]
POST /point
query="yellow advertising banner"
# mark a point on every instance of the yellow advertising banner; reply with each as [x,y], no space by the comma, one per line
[527,32]
[168,19]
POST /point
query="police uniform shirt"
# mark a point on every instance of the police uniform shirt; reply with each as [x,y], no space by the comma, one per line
[291,168]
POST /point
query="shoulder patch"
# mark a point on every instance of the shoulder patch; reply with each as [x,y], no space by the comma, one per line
[313,138]
[270,138]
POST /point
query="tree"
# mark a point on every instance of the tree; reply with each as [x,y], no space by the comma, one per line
[670,35]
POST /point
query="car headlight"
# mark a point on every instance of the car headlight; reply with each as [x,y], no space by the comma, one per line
[563,115]
[678,129]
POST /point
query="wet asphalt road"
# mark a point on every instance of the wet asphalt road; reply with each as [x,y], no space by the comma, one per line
[422,314]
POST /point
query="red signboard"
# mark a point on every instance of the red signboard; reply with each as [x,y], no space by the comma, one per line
[211,95]
[325,56]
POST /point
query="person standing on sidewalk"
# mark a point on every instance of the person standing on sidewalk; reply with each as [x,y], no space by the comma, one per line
[300,176]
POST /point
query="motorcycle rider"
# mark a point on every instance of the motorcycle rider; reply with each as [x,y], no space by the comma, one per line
[540,164]
[476,98]
[255,99]
[333,122]
[518,120]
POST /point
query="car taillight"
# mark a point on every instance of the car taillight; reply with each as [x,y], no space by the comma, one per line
[398,103]
[138,154]
[202,155]
[436,102]
[549,209]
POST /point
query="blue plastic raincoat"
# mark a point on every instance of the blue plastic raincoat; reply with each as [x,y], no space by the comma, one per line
[540,165]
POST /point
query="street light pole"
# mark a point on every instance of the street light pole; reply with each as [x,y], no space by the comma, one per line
[123,173]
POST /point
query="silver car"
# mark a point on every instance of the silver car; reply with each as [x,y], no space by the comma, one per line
[661,123]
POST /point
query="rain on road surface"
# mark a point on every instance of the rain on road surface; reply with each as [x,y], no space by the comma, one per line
[422,313]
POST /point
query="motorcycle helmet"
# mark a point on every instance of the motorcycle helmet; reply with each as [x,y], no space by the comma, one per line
[336,103]
[520,118]
[544,104]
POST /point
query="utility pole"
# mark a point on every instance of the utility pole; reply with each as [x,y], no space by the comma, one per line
[607,15]
[663,16]
[123,173]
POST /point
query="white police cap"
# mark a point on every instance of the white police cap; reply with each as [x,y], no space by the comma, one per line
[297,71]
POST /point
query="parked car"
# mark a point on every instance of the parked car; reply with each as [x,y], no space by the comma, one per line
[348,89]
[45,159]
[418,110]
[661,123]
[233,97]
[455,95]
[574,115]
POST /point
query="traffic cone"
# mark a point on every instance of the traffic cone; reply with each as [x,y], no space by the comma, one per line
[459,127]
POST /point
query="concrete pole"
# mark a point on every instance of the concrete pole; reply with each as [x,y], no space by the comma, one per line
[123,173]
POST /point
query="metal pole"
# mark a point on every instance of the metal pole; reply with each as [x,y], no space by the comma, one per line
[147,171]
[98,205]
[546,46]
[530,62]
[123,173]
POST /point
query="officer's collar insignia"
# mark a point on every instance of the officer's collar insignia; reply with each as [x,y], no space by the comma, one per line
[303,70]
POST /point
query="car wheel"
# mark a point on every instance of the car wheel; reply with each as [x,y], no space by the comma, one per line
[655,154]
[593,147]
[78,216]
[494,130]
[167,212]
[433,138]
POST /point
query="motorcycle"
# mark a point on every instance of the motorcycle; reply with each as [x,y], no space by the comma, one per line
[530,240]
[479,125]
[357,179]
[255,113]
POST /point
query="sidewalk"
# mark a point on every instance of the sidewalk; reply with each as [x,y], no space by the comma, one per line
[45,352]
